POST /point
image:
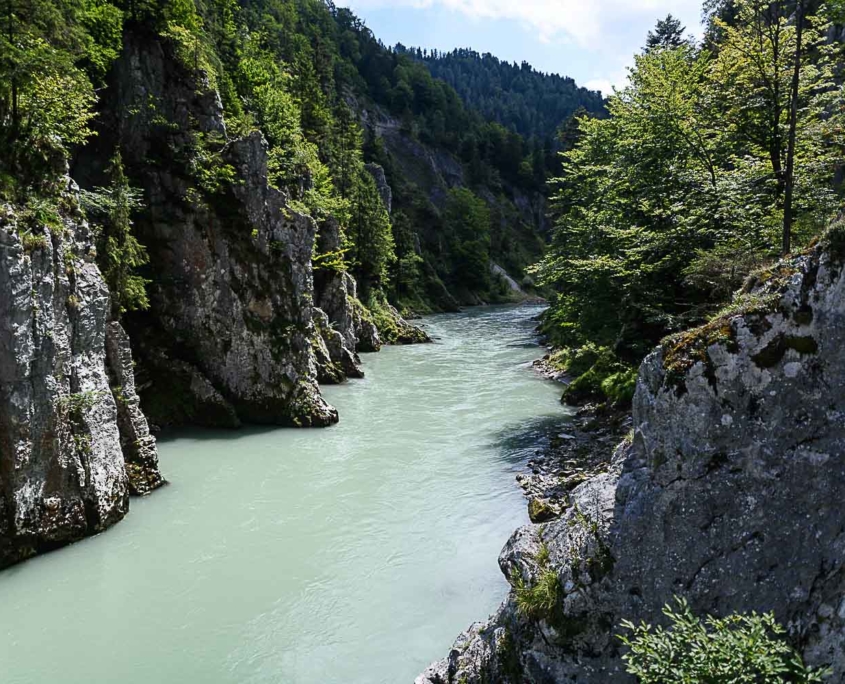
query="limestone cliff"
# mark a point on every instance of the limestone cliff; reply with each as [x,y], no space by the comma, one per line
[63,422]
[728,494]
[228,337]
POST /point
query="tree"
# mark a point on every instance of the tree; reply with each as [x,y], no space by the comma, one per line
[667,34]
[119,254]
[772,81]
[46,99]
[793,123]
[372,250]
[466,220]
[638,196]
[662,210]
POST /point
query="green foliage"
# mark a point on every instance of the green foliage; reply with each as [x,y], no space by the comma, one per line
[371,235]
[606,378]
[75,406]
[119,254]
[466,220]
[391,329]
[209,170]
[538,600]
[32,242]
[39,213]
[526,101]
[52,53]
[663,209]
[619,388]
[737,648]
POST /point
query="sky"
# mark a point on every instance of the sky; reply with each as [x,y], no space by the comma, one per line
[593,41]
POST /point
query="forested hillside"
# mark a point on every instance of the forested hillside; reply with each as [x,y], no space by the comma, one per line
[323,90]
[524,100]
[716,159]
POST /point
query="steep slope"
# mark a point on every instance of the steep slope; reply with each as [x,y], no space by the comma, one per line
[729,494]
[422,175]
[519,97]
[73,444]
[228,337]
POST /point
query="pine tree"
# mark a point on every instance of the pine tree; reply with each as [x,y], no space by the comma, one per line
[668,34]
[119,252]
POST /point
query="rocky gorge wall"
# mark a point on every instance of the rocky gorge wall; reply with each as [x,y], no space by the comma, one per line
[240,327]
[228,336]
[728,493]
[73,444]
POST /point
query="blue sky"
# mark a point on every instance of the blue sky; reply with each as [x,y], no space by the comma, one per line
[592,41]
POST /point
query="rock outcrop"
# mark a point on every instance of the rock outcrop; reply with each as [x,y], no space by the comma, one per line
[728,494]
[62,469]
[138,445]
[230,324]
[335,295]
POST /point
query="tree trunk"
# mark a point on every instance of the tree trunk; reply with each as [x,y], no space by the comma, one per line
[793,123]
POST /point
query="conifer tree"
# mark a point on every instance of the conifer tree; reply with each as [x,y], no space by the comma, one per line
[668,34]
[119,252]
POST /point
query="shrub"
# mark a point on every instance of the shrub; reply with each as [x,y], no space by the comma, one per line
[736,649]
[605,377]
[537,600]
[620,387]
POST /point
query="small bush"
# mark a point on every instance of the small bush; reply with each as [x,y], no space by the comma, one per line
[606,378]
[738,648]
[538,600]
[33,242]
[620,387]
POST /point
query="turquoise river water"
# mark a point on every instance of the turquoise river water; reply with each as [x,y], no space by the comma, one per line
[353,554]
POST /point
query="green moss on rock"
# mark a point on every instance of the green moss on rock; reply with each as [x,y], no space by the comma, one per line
[540,511]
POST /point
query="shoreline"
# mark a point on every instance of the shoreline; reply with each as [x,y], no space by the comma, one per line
[581,447]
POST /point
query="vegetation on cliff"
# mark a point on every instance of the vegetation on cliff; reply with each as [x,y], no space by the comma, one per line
[716,158]
[736,648]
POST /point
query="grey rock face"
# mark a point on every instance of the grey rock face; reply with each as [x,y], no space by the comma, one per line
[498,272]
[366,332]
[230,325]
[729,495]
[138,445]
[334,316]
[62,472]
[189,398]
[335,361]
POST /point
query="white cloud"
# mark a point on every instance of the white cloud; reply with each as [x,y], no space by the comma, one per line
[604,86]
[618,79]
[583,21]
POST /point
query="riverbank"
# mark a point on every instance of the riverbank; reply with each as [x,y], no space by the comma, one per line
[574,451]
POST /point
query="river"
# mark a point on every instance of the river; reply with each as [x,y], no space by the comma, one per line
[353,554]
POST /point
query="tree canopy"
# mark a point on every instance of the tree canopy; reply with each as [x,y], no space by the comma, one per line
[664,207]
